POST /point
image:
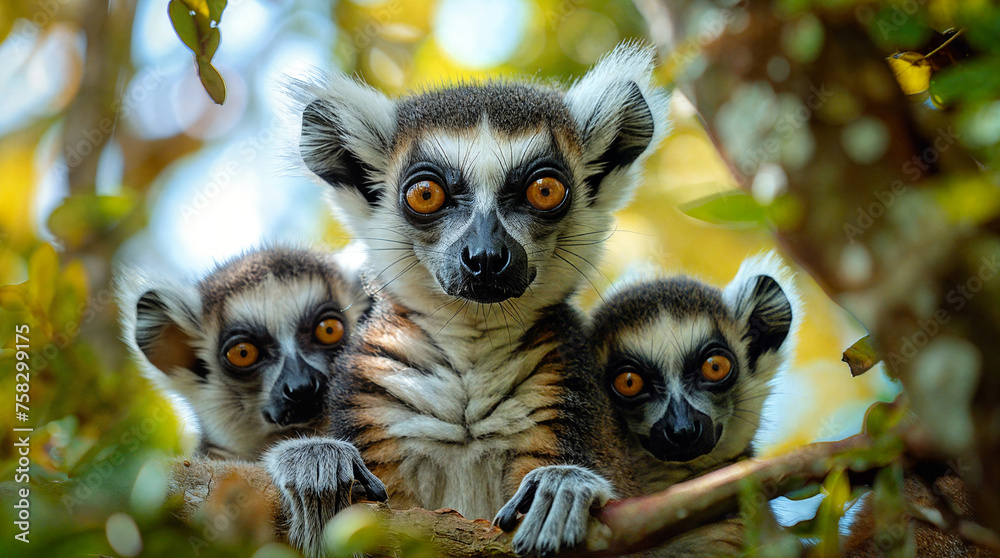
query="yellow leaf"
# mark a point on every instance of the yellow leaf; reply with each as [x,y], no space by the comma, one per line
[861,356]
[969,200]
[43,268]
[74,279]
[199,7]
[82,219]
[17,190]
[912,71]
[71,296]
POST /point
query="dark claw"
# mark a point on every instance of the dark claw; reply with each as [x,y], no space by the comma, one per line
[506,518]
[373,486]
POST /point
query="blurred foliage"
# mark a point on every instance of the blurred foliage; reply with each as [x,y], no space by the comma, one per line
[98,427]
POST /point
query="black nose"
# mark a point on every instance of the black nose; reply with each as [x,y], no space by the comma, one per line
[682,433]
[301,388]
[485,260]
[486,264]
[297,395]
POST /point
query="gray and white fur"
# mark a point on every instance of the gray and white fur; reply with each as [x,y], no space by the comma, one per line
[269,302]
[664,348]
[471,373]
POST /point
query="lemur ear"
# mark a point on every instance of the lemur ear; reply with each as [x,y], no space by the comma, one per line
[347,128]
[766,309]
[621,118]
[164,332]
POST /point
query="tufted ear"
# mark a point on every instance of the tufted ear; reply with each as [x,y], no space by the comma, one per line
[621,118]
[347,128]
[165,332]
[160,322]
[767,310]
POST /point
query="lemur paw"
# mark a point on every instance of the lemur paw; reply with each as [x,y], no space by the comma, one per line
[315,476]
[556,502]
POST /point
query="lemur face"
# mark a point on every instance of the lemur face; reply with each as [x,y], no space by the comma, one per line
[689,366]
[251,345]
[480,192]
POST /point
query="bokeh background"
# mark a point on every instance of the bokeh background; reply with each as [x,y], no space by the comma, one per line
[112,153]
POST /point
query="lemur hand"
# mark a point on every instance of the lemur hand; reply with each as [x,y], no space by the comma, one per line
[556,502]
[314,476]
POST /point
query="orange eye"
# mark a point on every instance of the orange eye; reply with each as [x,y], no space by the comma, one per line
[242,354]
[716,368]
[425,197]
[546,193]
[329,331]
[628,384]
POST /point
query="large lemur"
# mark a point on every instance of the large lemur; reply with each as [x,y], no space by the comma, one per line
[249,346]
[479,202]
[689,367]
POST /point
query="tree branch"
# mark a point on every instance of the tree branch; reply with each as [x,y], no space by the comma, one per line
[866,222]
[633,524]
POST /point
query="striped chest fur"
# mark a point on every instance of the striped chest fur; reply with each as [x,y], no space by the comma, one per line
[457,420]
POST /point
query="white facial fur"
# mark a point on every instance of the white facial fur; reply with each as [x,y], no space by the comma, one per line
[229,408]
[598,105]
[666,343]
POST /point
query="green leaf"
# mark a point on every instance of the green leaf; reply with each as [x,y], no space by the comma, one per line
[861,356]
[82,218]
[881,417]
[891,525]
[975,80]
[890,31]
[211,43]
[215,8]
[212,80]
[803,40]
[354,530]
[838,491]
[728,208]
[184,24]
[199,7]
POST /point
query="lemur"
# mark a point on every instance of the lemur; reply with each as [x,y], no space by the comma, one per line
[688,367]
[249,346]
[479,203]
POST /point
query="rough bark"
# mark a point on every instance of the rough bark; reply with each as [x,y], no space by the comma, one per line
[872,233]
[632,525]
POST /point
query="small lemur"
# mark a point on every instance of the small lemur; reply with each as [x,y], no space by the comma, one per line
[479,203]
[688,367]
[249,347]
